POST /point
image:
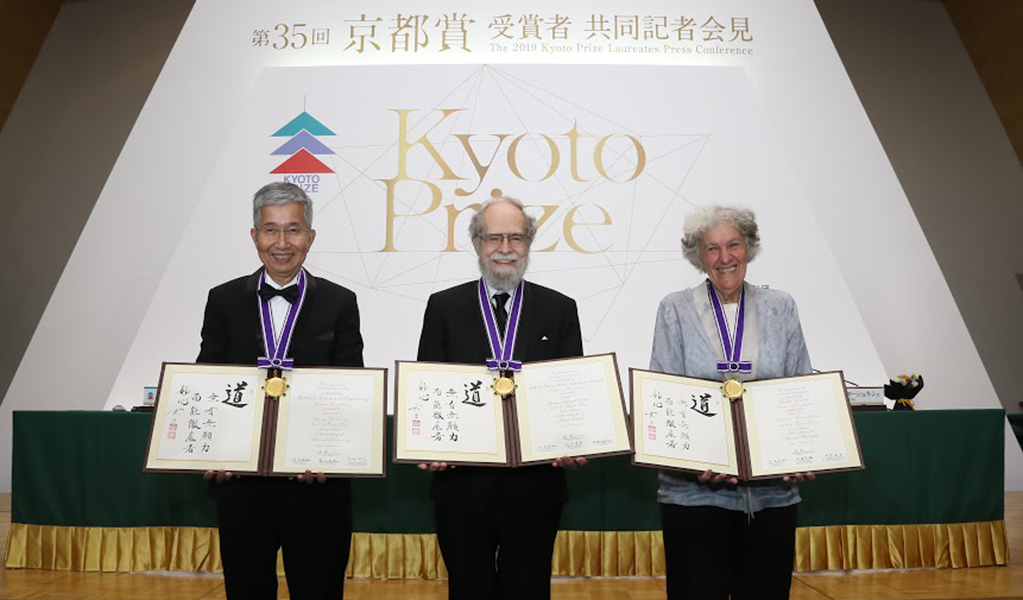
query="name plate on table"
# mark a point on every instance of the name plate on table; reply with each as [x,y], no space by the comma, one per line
[777,427]
[219,417]
[450,413]
[866,395]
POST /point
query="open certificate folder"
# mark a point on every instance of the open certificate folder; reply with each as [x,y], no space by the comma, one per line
[451,413]
[777,427]
[219,417]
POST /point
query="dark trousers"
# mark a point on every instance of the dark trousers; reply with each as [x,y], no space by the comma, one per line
[711,553]
[498,554]
[316,539]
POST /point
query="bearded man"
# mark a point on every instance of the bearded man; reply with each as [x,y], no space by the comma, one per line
[496,526]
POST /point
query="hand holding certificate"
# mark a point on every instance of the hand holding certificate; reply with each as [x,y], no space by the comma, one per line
[768,429]
[451,413]
[223,419]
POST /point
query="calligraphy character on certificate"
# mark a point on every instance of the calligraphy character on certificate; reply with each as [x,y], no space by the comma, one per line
[486,511]
[247,320]
[722,538]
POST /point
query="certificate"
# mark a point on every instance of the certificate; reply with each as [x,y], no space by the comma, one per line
[333,421]
[450,413]
[570,407]
[777,427]
[219,417]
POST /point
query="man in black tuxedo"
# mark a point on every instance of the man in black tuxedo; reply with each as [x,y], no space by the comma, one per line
[311,517]
[486,511]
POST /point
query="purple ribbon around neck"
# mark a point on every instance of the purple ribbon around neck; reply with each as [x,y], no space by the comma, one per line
[501,346]
[276,351]
[731,346]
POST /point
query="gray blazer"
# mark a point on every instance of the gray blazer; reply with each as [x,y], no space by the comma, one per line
[686,342]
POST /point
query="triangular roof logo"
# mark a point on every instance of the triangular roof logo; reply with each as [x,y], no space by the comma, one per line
[302,162]
[304,139]
[303,121]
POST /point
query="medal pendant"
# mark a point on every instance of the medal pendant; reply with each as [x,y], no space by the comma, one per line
[275,387]
[732,389]
[504,386]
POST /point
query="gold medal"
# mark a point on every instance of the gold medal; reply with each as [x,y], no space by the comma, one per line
[732,389]
[274,387]
[504,386]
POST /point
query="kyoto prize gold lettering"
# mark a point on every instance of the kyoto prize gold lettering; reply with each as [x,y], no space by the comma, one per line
[581,166]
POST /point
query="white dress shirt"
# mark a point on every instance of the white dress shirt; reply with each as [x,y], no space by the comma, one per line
[279,307]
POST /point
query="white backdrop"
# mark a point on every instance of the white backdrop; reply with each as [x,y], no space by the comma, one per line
[767,119]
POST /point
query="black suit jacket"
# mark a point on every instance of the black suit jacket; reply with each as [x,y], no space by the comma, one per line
[326,334]
[453,331]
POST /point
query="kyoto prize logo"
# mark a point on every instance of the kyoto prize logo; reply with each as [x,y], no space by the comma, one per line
[302,167]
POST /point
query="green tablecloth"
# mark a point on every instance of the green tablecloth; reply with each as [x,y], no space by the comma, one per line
[85,469]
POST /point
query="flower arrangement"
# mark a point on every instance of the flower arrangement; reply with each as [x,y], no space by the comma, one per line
[903,389]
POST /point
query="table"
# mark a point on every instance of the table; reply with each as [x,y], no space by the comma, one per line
[932,496]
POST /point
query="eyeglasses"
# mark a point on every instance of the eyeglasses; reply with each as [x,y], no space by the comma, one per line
[496,239]
[292,232]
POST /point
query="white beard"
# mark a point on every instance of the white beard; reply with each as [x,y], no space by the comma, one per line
[504,281]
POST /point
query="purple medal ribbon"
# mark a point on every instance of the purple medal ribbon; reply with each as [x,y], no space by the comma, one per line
[276,352]
[501,352]
[732,347]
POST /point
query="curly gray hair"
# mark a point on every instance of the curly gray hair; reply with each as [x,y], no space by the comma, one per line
[704,218]
[280,192]
[476,224]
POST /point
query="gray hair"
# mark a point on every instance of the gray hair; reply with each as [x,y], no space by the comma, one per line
[477,222]
[705,218]
[278,193]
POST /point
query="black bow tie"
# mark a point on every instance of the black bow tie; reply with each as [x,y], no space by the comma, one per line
[290,293]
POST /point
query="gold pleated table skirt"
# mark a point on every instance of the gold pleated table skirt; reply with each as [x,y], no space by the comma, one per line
[576,553]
